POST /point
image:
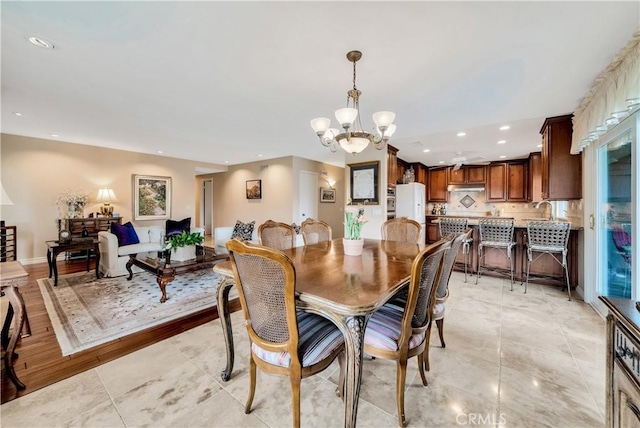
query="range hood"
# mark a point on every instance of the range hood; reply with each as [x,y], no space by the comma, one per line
[465,187]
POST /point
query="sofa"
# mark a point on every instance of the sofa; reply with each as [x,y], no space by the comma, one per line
[223,234]
[113,258]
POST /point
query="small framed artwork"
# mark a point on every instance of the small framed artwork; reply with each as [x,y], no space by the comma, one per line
[327,195]
[364,182]
[151,197]
[254,189]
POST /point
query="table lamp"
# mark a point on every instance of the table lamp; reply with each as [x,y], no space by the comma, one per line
[106,196]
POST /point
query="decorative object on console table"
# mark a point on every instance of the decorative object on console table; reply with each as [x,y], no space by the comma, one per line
[151,197]
[73,202]
[106,196]
[183,246]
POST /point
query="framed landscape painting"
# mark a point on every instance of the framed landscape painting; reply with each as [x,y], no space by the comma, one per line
[254,189]
[327,195]
[151,197]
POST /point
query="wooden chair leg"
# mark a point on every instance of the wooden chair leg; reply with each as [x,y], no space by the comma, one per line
[295,395]
[427,339]
[401,375]
[252,385]
[343,366]
[440,325]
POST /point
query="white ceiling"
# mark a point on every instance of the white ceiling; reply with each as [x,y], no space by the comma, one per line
[228,81]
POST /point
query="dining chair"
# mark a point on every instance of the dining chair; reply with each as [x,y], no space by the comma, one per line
[314,231]
[284,340]
[280,236]
[442,291]
[496,234]
[398,330]
[401,229]
[448,225]
[548,237]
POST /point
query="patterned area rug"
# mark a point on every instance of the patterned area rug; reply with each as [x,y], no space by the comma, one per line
[86,311]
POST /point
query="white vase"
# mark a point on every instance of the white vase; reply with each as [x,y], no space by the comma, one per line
[352,247]
[180,254]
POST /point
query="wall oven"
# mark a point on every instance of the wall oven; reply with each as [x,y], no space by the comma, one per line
[391,203]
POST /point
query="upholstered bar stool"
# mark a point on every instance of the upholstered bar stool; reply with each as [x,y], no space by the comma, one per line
[496,234]
[548,237]
[449,225]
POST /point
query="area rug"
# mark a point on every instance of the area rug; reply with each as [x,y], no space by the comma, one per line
[86,311]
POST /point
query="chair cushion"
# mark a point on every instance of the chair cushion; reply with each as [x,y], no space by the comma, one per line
[174,227]
[318,338]
[438,311]
[125,233]
[243,230]
[383,330]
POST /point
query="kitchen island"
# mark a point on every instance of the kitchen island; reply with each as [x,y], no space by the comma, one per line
[544,266]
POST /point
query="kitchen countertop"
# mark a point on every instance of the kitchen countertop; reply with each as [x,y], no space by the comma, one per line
[518,224]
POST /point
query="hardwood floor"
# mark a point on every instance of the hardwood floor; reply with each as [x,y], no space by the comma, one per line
[40,362]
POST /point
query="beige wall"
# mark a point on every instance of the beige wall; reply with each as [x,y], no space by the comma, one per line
[280,190]
[35,171]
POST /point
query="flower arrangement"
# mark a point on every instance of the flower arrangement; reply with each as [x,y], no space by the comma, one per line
[184,239]
[355,219]
[67,197]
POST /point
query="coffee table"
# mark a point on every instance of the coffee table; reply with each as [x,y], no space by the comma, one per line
[166,272]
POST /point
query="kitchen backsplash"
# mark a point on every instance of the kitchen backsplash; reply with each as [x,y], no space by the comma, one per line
[473,204]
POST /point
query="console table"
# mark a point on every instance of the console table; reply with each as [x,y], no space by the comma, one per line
[12,276]
[93,225]
[79,244]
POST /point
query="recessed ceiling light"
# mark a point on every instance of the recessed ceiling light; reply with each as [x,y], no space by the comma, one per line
[440,161]
[226,161]
[502,142]
[504,128]
[160,151]
[259,156]
[41,43]
[502,157]
[461,134]
[17,113]
[539,146]
[426,150]
[54,135]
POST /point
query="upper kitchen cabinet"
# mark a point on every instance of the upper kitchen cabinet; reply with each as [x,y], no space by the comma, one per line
[507,181]
[421,172]
[392,166]
[438,185]
[561,171]
[534,193]
[467,175]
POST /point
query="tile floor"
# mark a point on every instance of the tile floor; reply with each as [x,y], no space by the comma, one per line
[512,360]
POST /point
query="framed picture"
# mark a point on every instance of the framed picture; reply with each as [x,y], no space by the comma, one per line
[327,195]
[151,197]
[254,189]
[364,182]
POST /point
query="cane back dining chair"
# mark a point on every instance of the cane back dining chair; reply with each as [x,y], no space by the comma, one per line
[548,237]
[448,225]
[496,234]
[442,291]
[280,236]
[398,330]
[401,229]
[314,231]
[284,340]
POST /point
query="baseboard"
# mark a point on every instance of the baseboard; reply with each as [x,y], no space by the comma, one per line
[36,260]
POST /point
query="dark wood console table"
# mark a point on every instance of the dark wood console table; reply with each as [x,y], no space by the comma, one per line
[79,244]
[93,225]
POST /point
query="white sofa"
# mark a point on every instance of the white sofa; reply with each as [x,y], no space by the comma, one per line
[223,234]
[113,259]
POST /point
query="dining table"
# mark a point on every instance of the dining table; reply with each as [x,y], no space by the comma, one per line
[345,289]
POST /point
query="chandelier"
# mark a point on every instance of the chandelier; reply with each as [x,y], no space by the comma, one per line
[356,140]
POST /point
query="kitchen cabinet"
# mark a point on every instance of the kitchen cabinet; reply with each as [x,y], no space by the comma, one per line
[438,185]
[507,181]
[467,175]
[561,171]
[534,193]
[392,166]
[421,173]
[402,167]
[432,232]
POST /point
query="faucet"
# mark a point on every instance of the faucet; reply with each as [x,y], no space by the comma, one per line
[551,217]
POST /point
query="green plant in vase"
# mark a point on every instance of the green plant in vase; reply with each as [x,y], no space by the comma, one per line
[184,239]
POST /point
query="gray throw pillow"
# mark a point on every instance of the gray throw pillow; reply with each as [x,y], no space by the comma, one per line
[243,231]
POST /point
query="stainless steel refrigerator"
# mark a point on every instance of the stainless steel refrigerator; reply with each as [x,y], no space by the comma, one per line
[410,203]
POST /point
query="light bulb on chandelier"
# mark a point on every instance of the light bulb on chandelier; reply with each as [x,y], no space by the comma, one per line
[357,140]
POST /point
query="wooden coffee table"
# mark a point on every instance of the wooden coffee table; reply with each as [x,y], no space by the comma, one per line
[166,272]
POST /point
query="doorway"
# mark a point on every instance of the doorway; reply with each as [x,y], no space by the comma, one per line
[308,196]
[206,207]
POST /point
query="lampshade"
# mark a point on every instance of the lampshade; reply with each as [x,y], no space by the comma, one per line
[320,124]
[106,195]
[383,118]
[4,198]
[346,115]
[354,144]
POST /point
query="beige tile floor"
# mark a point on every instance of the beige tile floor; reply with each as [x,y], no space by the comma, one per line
[512,360]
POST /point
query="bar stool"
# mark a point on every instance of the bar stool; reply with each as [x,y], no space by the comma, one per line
[548,237]
[453,225]
[496,234]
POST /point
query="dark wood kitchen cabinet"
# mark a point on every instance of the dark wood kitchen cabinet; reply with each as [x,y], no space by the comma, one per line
[467,175]
[507,181]
[561,171]
[438,185]
[392,166]
[534,189]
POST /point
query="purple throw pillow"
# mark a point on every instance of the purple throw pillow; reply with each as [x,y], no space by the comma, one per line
[125,233]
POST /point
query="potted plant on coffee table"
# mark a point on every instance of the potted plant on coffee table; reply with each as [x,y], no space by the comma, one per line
[183,246]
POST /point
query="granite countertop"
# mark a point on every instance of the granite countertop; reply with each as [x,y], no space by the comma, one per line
[518,224]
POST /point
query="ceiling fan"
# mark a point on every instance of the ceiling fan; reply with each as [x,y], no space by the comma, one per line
[460,160]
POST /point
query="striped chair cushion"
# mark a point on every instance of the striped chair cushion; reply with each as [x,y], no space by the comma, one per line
[438,311]
[318,338]
[383,329]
